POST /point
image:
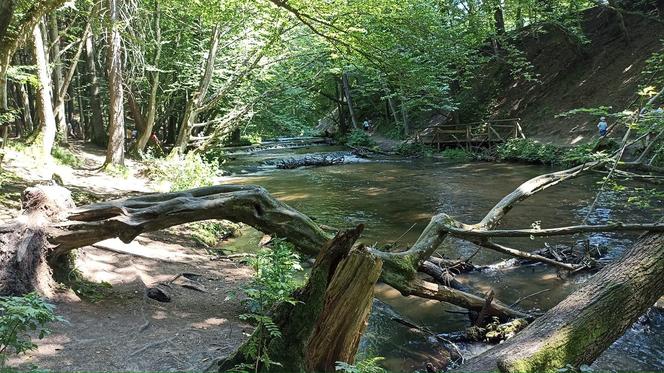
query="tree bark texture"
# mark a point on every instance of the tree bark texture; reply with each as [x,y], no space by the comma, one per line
[115,152]
[97,131]
[341,281]
[44,103]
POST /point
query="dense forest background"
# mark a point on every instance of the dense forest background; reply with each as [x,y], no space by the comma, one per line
[203,73]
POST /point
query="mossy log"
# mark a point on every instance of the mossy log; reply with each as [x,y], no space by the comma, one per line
[579,328]
[325,323]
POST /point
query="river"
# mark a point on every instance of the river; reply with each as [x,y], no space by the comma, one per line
[395,198]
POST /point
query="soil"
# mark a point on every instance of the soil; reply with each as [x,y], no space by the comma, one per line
[125,330]
[605,71]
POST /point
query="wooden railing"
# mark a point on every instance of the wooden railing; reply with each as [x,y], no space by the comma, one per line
[475,134]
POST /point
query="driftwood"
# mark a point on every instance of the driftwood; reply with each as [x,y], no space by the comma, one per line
[315,161]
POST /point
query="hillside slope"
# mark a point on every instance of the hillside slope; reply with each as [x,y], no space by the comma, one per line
[606,71]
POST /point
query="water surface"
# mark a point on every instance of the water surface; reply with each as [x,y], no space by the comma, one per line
[395,199]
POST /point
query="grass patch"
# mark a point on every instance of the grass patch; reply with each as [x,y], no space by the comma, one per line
[65,157]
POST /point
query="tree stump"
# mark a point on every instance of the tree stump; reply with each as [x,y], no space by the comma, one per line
[326,305]
[344,317]
[24,246]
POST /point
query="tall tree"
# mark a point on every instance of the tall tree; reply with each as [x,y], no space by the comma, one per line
[115,151]
[97,131]
[150,117]
[48,129]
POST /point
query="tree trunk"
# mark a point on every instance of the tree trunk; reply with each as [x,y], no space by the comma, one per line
[579,328]
[25,103]
[349,100]
[44,103]
[97,131]
[116,132]
[343,124]
[344,317]
[198,97]
[326,322]
[144,136]
[57,82]
[498,18]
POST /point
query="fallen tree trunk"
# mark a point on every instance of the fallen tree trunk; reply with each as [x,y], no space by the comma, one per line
[579,328]
[71,228]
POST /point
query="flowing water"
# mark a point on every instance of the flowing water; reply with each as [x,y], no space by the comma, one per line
[395,198]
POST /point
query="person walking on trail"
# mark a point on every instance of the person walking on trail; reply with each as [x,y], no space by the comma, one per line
[365,125]
[602,126]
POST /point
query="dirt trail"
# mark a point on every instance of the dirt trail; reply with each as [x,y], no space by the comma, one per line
[125,330]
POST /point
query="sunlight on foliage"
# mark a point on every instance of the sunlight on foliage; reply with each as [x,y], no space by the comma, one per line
[369,365]
[19,318]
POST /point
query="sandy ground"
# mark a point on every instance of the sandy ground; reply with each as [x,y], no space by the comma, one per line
[126,330]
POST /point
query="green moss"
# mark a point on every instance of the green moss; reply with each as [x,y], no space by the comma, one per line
[576,342]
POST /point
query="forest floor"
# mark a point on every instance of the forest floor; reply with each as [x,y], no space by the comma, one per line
[124,330]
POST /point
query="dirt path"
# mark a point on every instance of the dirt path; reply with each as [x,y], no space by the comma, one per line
[126,330]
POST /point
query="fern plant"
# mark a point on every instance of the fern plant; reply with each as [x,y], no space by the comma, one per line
[274,283]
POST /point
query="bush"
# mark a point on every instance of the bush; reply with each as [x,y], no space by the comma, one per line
[457,154]
[117,170]
[20,316]
[414,149]
[273,283]
[359,138]
[209,233]
[527,150]
[65,156]
[179,173]
[369,365]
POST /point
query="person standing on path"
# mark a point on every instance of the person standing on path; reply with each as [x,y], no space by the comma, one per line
[602,126]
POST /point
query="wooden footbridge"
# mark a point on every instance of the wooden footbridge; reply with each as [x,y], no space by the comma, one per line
[468,135]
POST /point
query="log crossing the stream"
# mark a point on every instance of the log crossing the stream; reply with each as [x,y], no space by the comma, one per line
[469,135]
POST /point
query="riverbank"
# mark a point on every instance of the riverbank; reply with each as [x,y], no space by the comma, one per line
[110,323]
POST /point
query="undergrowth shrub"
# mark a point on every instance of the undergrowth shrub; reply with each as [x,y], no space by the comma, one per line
[369,365]
[210,233]
[527,150]
[457,154]
[65,156]
[359,138]
[414,149]
[19,317]
[177,173]
[274,283]
[117,170]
